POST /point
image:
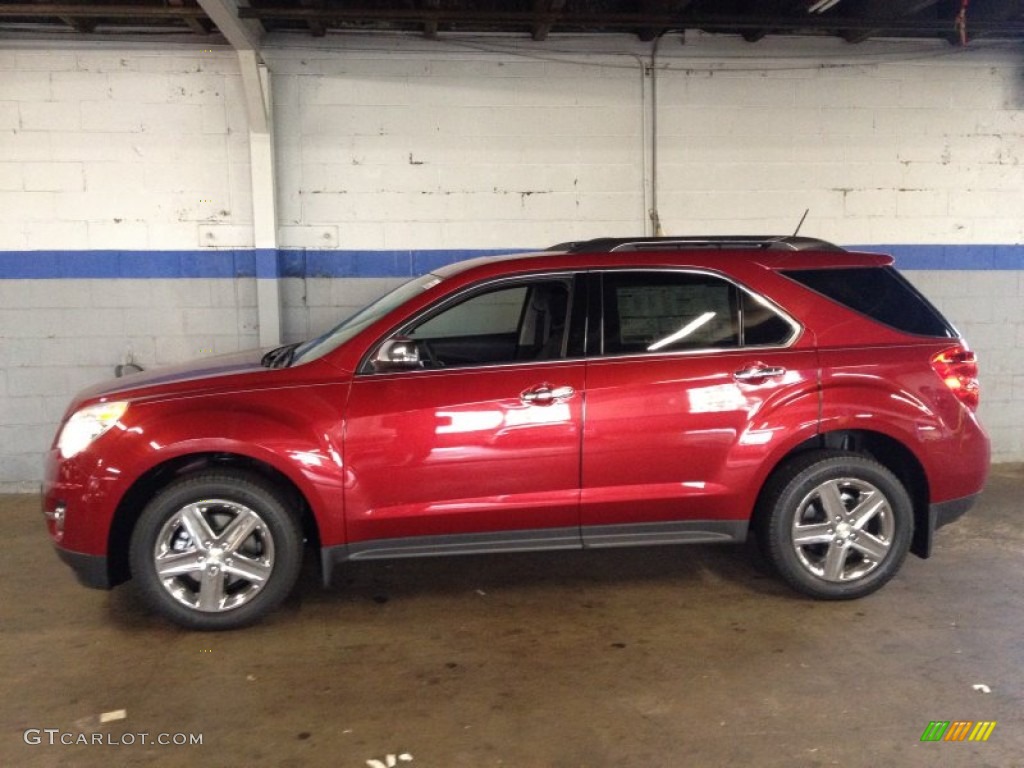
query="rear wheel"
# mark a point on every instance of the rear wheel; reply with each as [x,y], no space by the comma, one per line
[216,550]
[835,525]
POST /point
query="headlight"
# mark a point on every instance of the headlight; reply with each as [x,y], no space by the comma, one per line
[86,425]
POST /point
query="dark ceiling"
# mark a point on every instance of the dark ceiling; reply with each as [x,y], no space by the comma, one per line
[957,21]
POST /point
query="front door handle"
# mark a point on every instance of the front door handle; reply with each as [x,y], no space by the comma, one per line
[545,394]
[758,372]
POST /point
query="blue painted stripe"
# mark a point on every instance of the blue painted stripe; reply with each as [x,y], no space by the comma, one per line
[47,265]
[271,263]
[952,257]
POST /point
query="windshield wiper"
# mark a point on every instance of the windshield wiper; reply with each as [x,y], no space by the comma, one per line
[280,357]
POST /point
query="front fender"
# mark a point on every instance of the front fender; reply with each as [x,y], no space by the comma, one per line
[297,432]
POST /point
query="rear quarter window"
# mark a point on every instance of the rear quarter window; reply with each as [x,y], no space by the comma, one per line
[881,293]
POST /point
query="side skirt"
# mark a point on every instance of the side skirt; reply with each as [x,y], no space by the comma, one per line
[590,537]
[695,532]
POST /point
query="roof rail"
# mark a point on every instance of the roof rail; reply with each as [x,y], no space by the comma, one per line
[767,243]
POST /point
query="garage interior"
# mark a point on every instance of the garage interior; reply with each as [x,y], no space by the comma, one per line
[181,179]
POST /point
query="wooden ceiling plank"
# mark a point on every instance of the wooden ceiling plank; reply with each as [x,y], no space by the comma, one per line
[885,9]
[547,12]
[430,25]
[317,27]
[660,7]
[192,22]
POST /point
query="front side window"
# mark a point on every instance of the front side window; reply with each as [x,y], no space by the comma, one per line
[512,322]
[650,312]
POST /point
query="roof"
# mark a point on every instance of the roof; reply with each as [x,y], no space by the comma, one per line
[773,252]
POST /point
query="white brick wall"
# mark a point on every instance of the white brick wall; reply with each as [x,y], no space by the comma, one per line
[419,145]
[126,150]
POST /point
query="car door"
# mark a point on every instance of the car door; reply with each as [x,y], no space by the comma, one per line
[477,446]
[682,385]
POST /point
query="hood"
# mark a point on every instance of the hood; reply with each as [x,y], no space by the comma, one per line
[177,378]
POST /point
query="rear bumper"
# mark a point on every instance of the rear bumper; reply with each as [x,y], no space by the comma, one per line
[91,570]
[939,515]
[948,511]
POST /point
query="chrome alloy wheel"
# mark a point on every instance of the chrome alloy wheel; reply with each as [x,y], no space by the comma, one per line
[214,555]
[843,529]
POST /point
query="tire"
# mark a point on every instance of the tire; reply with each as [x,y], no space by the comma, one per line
[216,550]
[835,525]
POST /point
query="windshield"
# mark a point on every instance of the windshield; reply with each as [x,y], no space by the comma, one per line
[368,315]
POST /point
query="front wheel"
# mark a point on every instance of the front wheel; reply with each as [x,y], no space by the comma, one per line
[216,550]
[835,525]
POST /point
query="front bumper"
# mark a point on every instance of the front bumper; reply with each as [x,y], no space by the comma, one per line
[74,507]
[90,570]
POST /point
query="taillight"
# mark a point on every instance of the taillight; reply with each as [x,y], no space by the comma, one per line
[958,369]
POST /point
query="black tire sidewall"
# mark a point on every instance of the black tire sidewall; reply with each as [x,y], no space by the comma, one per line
[793,487]
[239,487]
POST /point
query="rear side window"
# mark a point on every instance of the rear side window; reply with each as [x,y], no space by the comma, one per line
[676,311]
[651,312]
[881,293]
[762,325]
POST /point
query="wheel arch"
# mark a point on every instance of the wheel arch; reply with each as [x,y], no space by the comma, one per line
[891,453]
[151,482]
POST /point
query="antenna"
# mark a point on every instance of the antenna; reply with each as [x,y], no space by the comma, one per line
[797,231]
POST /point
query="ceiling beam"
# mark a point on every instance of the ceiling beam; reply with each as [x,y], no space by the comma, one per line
[243,34]
[994,9]
[886,9]
[193,23]
[659,8]
[430,24]
[316,26]
[98,11]
[514,20]
[83,26]
[547,13]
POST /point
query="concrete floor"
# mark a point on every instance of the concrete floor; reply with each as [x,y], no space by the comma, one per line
[661,657]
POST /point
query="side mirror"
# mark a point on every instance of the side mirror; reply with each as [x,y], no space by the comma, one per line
[397,354]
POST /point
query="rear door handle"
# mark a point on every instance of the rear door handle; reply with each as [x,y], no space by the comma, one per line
[545,394]
[758,372]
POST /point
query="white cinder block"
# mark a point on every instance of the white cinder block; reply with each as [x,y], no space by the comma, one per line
[106,117]
[21,410]
[11,176]
[225,236]
[211,321]
[922,202]
[9,117]
[308,237]
[69,235]
[214,118]
[24,146]
[172,119]
[90,147]
[49,116]
[870,202]
[53,177]
[72,87]
[25,85]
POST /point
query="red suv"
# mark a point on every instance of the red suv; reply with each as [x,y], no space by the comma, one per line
[599,394]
